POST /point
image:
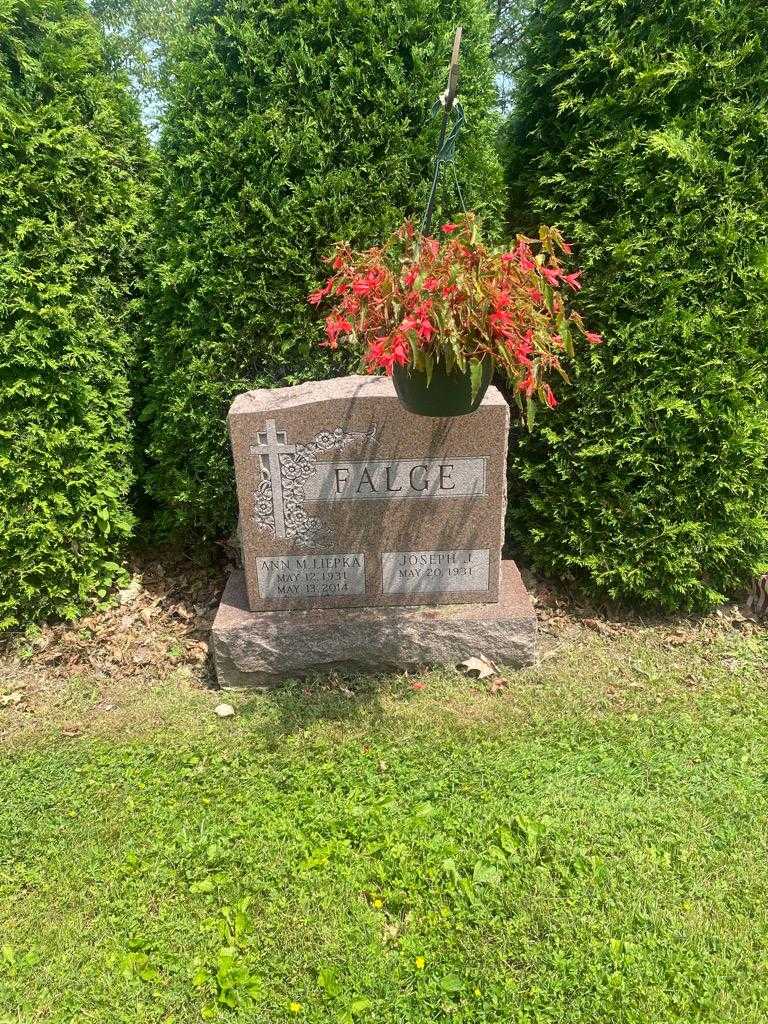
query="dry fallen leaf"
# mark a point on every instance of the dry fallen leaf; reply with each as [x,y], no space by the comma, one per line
[181,611]
[197,650]
[597,626]
[224,710]
[478,667]
[391,932]
[677,639]
[129,594]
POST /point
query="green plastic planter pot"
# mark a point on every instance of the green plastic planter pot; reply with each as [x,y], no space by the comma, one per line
[448,394]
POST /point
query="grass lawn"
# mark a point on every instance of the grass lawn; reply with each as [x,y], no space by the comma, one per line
[590,845]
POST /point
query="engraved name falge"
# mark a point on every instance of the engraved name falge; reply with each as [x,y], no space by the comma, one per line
[292,475]
[381,479]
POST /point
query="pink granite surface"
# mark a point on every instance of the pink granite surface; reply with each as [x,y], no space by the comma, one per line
[376,506]
[261,648]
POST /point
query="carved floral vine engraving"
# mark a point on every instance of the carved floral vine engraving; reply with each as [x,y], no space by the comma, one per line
[280,510]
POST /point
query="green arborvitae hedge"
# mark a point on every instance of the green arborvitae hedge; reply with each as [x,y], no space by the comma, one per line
[70,146]
[290,125]
[642,131]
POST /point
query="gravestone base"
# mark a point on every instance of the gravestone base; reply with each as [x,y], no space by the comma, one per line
[262,648]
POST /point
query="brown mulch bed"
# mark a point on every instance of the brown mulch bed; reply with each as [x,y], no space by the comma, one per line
[162,622]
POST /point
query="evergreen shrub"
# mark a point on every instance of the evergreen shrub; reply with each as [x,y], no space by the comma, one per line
[289,126]
[71,147]
[640,131]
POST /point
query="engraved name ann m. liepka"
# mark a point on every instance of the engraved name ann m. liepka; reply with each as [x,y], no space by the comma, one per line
[316,576]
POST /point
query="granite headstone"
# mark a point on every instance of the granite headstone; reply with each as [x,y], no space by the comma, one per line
[371,537]
[348,500]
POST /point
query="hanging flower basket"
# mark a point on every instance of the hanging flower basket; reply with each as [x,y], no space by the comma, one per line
[441,314]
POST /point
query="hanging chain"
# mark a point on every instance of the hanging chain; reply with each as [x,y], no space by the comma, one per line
[446,154]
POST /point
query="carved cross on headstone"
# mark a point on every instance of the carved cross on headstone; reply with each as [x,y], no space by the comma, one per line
[273,443]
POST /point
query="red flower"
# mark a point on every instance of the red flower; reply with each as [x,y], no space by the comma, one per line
[566,247]
[501,322]
[592,338]
[448,229]
[426,330]
[500,300]
[410,276]
[551,274]
[421,322]
[315,298]
[367,283]
[334,326]
[549,396]
[386,351]
[525,257]
[535,294]
[431,284]
[375,352]
[572,280]
[528,385]
[524,349]
[401,351]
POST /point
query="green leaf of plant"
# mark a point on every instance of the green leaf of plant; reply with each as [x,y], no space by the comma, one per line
[429,366]
[565,334]
[476,376]
[486,874]
[328,981]
[451,983]
[449,867]
[416,352]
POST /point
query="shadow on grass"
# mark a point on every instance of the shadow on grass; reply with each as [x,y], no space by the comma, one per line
[297,705]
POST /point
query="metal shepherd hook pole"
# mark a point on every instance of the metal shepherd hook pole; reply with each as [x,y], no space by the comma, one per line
[446,101]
